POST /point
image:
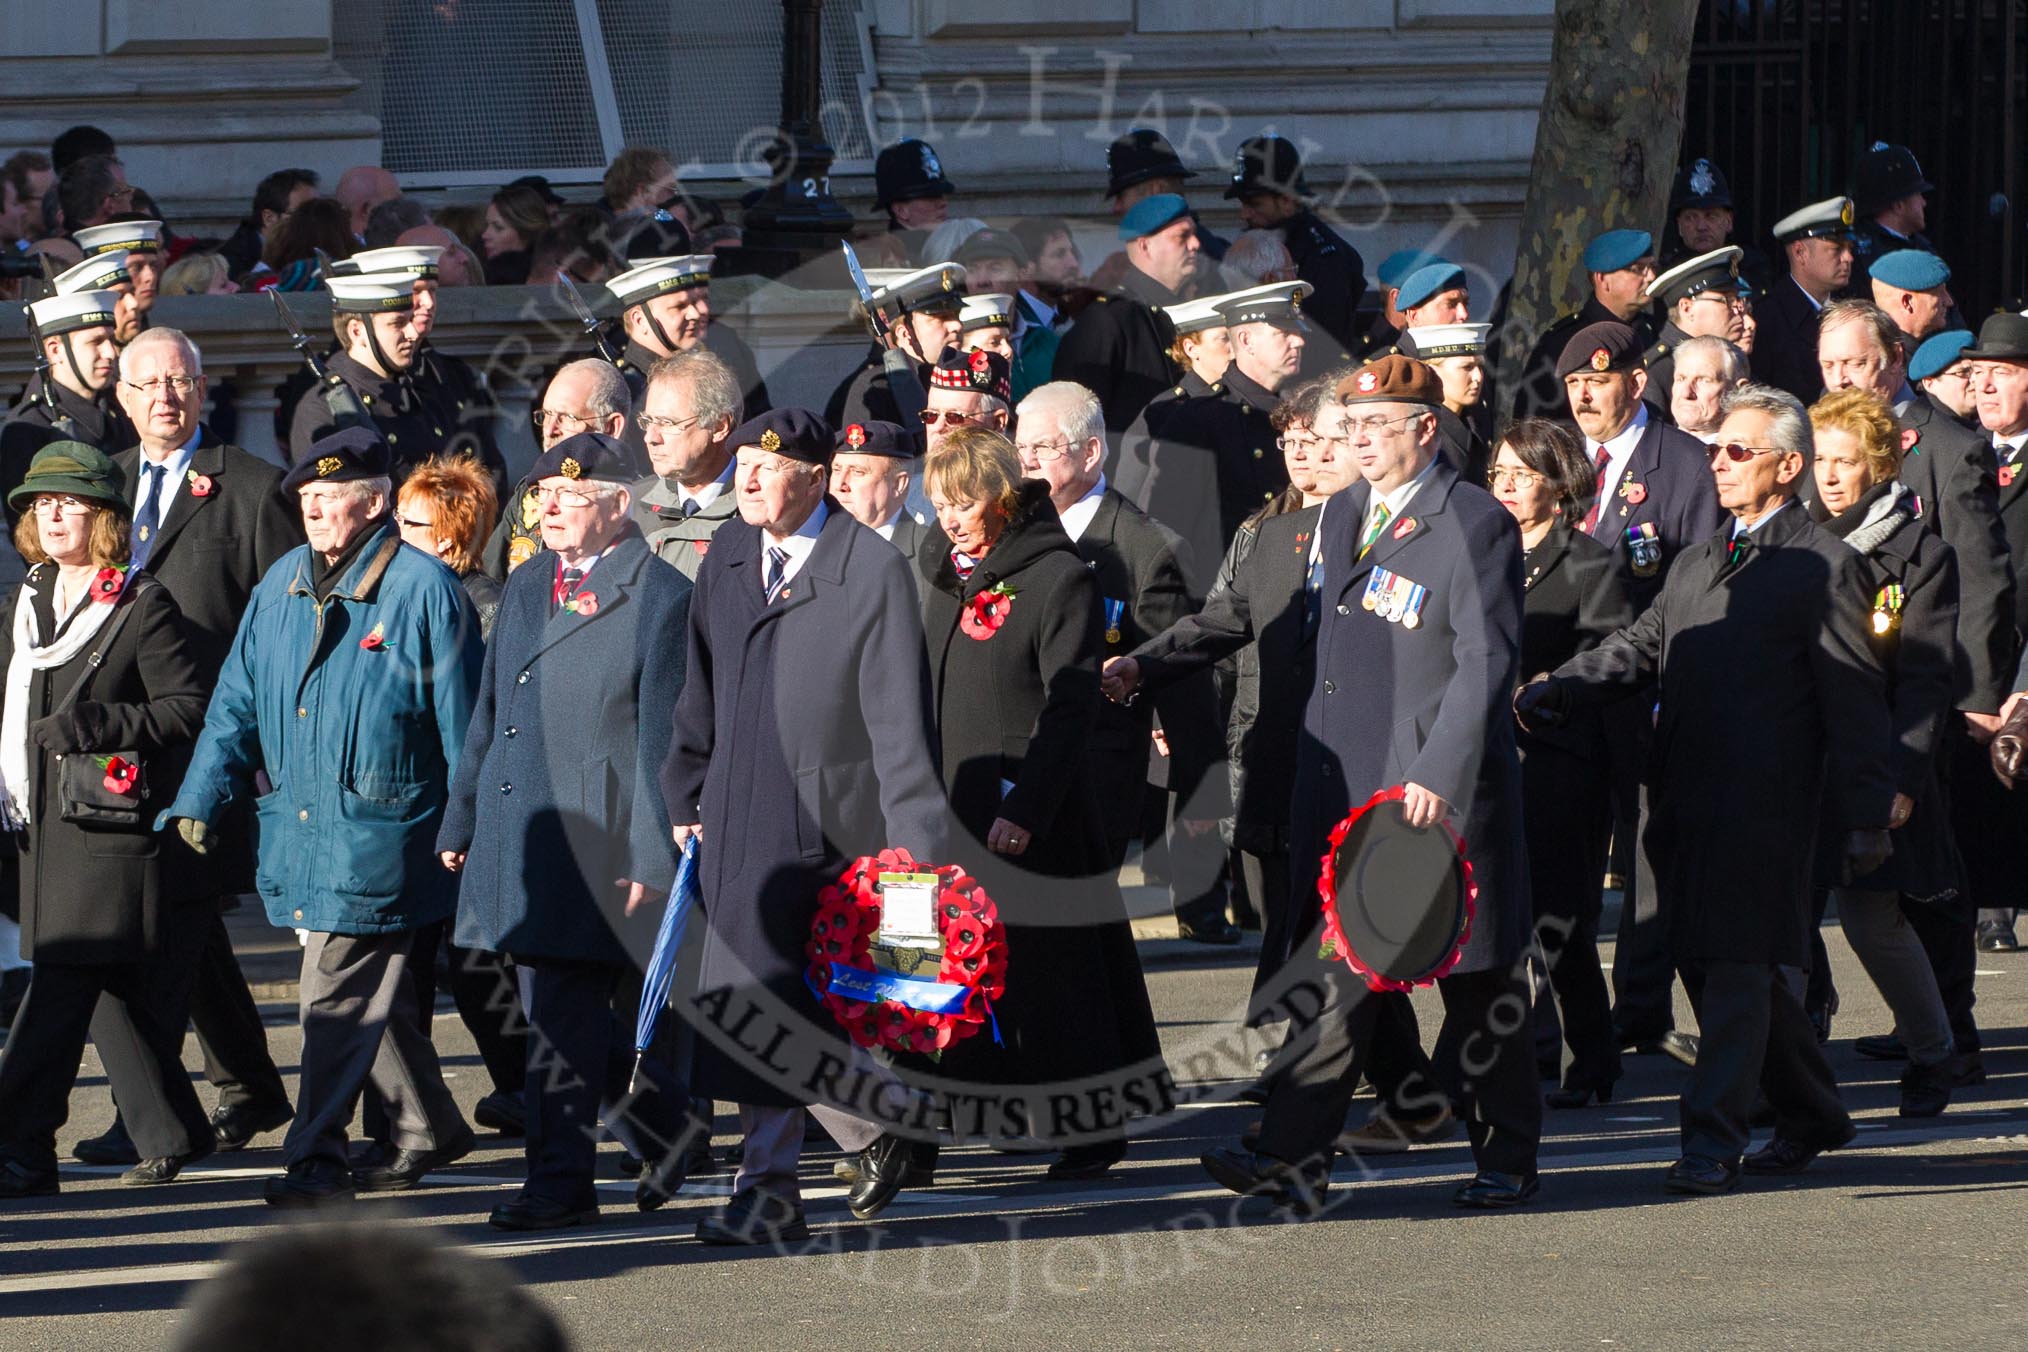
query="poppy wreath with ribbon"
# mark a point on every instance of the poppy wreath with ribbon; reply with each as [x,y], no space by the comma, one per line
[1335,943]
[972,975]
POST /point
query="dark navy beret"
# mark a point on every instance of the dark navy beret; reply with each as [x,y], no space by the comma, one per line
[796,433]
[588,455]
[347,454]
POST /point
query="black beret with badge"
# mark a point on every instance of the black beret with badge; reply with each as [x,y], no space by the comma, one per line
[345,456]
[796,433]
[1605,346]
[590,456]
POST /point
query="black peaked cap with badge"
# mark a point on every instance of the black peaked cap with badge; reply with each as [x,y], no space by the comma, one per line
[349,454]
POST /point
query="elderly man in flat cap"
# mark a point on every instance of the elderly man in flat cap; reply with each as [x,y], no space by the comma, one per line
[804,739]
[1421,603]
[350,683]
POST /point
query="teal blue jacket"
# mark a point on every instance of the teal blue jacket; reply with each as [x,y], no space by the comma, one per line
[356,707]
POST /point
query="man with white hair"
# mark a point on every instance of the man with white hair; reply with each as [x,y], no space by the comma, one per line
[586,395]
[351,682]
[1137,564]
[209,522]
[1706,367]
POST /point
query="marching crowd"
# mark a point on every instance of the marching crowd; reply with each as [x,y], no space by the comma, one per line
[1201,552]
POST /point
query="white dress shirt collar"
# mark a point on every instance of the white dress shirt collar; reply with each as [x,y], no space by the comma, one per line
[798,545]
[1077,517]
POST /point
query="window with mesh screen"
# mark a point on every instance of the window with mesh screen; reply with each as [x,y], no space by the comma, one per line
[490,89]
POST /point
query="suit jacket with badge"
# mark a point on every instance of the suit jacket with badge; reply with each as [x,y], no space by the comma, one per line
[582,758]
[1785,349]
[1137,564]
[1223,442]
[1119,349]
[676,539]
[1419,691]
[1666,501]
[1952,472]
[1770,704]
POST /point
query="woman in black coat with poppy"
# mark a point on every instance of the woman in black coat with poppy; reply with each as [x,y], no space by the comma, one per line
[1573,600]
[1913,583]
[102,909]
[1013,624]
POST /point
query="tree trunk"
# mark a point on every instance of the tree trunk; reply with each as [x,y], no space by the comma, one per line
[1605,151]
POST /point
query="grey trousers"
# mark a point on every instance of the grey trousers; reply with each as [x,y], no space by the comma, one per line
[1893,956]
[1754,1036]
[359,1028]
[774,1145]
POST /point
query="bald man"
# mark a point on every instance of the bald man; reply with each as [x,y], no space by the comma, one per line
[362,188]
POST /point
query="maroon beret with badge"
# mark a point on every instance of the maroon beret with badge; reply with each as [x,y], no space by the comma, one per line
[1393,379]
[1605,346]
[974,372]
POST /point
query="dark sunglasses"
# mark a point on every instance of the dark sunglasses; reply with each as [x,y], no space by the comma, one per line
[951,417]
[1739,454]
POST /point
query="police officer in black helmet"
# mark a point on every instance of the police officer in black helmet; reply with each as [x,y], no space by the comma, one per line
[1141,163]
[910,187]
[1701,219]
[1892,195]
[1267,180]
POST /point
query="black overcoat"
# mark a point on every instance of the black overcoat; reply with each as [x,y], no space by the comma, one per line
[1016,712]
[1785,348]
[1119,348]
[99,894]
[803,739]
[1951,470]
[1770,703]
[1575,598]
[1915,645]
[557,793]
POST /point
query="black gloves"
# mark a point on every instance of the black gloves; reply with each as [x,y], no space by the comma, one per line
[1542,703]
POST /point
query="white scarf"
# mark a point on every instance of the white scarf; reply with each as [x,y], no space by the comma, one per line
[29,658]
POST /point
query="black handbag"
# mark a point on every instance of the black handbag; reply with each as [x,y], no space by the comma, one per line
[81,793]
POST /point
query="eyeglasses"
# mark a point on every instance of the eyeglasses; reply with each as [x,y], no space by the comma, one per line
[1739,303]
[1374,426]
[410,523]
[1517,478]
[1043,452]
[564,497]
[1739,454]
[176,385]
[1285,442]
[666,425]
[950,417]
[60,505]
[569,422]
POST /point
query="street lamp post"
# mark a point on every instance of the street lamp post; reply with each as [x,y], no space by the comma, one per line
[797,221]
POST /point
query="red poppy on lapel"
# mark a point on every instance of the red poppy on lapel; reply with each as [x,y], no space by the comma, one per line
[1404,527]
[200,485]
[375,640]
[107,585]
[584,603]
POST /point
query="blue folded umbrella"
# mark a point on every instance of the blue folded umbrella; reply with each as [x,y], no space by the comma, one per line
[661,972]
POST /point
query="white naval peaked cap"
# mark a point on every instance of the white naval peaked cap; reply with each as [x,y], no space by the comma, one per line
[100,272]
[1432,341]
[994,311]
[77,310]
[418,260]
[366,293]
[122,237]
[651,277]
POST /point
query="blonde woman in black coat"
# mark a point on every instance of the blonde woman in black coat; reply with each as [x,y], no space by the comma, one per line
[102,907]
[1015,634]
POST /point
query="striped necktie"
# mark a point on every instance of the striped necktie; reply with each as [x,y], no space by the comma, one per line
[1603,459]
[1375,524]
[778,564]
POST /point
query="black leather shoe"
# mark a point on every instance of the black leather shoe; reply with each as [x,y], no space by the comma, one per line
[1088,1161]
[237,1125]
[535,1213]
[1997,937]
[504,1113]
[656,1186]
[316,1183]
[1925,1088]
[368,1154]
[18,1180]
[755,1216]
[112,1146]
[1211,930]
[1967,1069]
[1880,1047]
[922,1167]
[1701,1176]
[883,1171]
[1783,1155]
[163,1169]
[406,1168]
[1300,1190]
[1578,1095]
[1680,1046]
[1490,1190]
